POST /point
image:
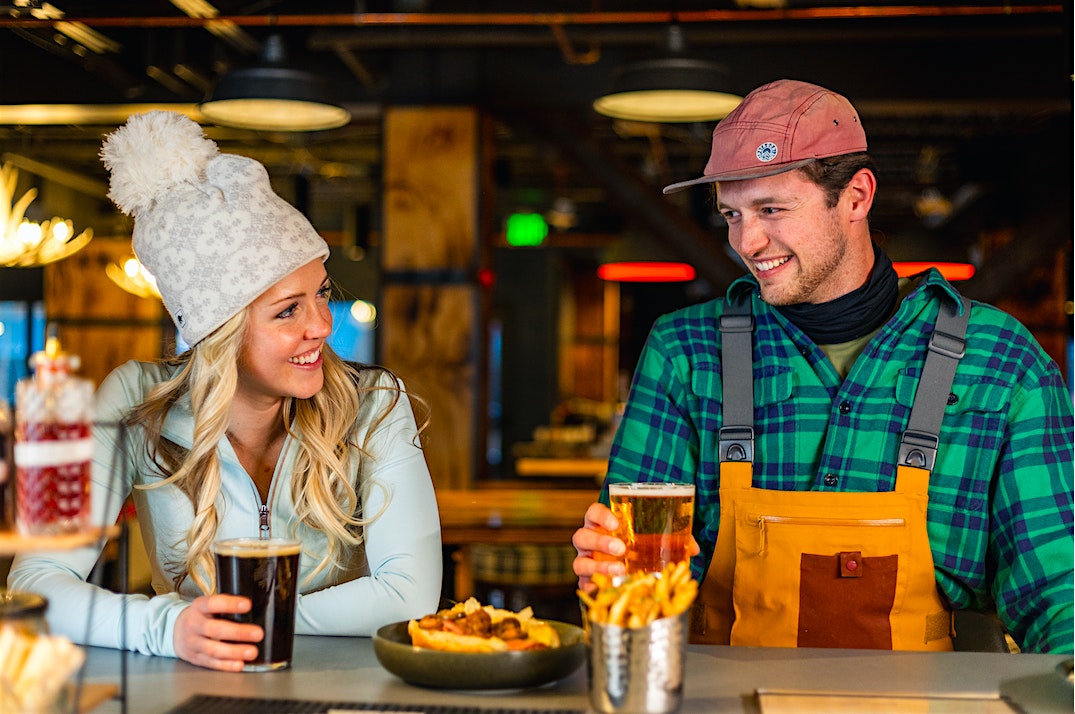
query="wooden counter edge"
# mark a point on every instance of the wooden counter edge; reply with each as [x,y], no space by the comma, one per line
[514,508]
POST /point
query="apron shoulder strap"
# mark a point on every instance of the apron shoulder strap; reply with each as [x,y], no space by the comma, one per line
[736,437]
[918,445]
[947,345]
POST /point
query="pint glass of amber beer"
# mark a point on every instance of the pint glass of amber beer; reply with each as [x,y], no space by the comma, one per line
[655,522]
[266,571]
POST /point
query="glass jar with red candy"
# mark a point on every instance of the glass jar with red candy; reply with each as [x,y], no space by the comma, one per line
[53,445]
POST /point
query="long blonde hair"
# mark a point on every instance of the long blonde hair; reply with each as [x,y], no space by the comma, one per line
[325,496]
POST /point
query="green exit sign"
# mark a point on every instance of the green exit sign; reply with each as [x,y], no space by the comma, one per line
[526,229]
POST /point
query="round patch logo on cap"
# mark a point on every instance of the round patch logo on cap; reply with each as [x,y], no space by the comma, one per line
[766,152]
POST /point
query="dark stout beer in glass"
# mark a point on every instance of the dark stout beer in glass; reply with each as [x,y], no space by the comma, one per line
[266,571]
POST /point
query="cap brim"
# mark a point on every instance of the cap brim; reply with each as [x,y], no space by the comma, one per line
[751,173]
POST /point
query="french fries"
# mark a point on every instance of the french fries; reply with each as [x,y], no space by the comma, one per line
[640,598]
[34,668]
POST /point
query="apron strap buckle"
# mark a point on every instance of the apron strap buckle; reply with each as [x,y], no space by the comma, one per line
[736,443]
[918,450]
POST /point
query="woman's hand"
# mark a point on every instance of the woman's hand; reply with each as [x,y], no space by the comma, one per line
[599,551]
[202,639]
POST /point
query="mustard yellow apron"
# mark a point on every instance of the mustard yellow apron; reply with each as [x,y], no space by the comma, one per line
[823,568]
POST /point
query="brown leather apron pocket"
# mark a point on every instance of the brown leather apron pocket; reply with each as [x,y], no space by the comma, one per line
[845,600]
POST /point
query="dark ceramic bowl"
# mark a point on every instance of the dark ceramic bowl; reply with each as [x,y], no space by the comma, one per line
[479,670]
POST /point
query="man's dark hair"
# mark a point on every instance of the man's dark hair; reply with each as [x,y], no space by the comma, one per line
[832,174]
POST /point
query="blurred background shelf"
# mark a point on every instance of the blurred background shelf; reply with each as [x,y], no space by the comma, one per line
[511,515]
[512,547]
[13,543]
[578,467]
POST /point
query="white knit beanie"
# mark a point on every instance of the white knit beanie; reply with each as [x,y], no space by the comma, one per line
[207,225]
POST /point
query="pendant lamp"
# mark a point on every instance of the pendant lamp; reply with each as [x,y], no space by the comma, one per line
[273,96]
[669,88]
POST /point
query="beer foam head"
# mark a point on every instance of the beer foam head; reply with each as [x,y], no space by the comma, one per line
[256,547]
[670,490]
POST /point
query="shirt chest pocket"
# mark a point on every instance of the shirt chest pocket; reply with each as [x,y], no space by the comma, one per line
[968,397]
[972,436]
[774,390]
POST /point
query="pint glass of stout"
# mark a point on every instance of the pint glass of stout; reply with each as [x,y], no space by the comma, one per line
[266,571]
[655,523]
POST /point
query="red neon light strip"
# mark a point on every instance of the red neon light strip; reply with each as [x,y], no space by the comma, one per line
[951,271]
[646,272]
[656,272]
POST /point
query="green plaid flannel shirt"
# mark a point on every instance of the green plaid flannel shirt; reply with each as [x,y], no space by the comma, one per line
[1001,494]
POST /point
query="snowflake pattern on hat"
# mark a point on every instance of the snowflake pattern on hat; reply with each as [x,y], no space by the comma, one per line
[208,226]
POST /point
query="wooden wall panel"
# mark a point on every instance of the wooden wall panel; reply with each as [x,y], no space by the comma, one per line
[589,359]
[428,341]
[102,349]
[430,188]
[98,320]
[430,325]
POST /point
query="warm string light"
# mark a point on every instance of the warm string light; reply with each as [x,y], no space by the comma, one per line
[362,312]
[25,244]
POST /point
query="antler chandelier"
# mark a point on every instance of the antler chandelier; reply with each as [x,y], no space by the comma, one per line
[133,277]
[25,244]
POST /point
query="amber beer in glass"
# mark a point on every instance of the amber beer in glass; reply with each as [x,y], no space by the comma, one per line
[266,571]
[655,522]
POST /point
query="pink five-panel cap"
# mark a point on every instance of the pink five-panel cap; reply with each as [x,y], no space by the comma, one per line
[778,127]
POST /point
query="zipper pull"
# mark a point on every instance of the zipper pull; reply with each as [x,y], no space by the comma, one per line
[762,536]
[264,532]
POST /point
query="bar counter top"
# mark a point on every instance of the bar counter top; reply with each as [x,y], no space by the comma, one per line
[718,679]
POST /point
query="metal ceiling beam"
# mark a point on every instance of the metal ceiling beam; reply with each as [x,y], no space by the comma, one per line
[638,200]
[70,179]
[1034,243]
[100,65]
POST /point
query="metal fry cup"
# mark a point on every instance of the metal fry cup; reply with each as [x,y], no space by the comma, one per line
[638,670]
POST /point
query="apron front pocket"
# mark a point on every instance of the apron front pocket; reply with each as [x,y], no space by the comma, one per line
[807,580]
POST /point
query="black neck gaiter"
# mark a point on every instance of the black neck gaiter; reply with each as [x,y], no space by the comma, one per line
[850,316]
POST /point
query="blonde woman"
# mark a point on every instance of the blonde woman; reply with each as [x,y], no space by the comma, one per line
[258,429]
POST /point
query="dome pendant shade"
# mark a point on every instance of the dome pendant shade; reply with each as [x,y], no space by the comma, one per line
[274,97]
[668,90]
[671,88]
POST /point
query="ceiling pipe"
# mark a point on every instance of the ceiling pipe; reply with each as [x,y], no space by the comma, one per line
[500,19]
[724,34]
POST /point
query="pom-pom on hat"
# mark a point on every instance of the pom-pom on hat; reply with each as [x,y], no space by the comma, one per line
[778,127]
[207,225]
